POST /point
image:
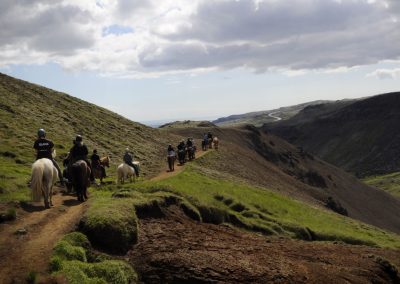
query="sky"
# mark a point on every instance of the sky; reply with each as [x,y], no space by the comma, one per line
[167,60]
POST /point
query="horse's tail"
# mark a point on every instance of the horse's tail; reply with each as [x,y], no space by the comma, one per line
[120,174]
[77,176]
[37,180]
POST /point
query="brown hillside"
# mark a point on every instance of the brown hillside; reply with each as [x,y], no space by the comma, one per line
[266,160]
[362,137]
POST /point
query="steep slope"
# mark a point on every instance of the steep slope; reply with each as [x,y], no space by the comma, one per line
[362,137]
[25,107]
[260,117]
[268,161]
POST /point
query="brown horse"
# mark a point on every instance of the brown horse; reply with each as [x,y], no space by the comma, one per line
[80,174]
[100,171]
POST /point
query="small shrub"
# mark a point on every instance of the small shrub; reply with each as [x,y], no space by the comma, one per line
[32,277]
[67,251]
[9,215]
[336,206]
[77,239]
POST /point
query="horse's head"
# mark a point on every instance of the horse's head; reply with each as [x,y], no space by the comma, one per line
[105,161]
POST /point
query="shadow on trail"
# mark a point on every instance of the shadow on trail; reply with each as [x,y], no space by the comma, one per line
[28,207]
[71,202]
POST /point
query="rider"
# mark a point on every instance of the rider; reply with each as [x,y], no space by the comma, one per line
[128,159]
[181,145]
[209,135]
[79,152]
[95,159]
[189,143]
[171,151]
[44,149]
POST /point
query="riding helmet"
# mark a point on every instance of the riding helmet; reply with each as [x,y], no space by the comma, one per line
[41,133]
[78,138]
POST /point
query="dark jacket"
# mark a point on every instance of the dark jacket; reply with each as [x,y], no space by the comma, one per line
[78,152]
[95,159]
[44,148]
[128,158]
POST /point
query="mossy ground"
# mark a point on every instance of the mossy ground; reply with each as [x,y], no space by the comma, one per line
[258,209]
[389,182]
[70,259]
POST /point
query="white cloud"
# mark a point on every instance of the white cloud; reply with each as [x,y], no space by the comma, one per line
[174,37]
[385,74]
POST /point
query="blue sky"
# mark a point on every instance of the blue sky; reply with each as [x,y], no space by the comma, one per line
[150,61]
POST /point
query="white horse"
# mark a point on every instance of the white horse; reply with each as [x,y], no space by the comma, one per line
[215,142]
[125,171]
[44,176]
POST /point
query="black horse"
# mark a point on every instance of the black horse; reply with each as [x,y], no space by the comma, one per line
[79,173]
[191,152]
[182,156]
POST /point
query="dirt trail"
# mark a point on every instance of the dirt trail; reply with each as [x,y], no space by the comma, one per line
[178,168]
[30,252]
[23,253]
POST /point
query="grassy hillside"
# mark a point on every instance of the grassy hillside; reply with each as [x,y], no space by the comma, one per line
[25,107]
[249,155]
[389,183]
[361,137]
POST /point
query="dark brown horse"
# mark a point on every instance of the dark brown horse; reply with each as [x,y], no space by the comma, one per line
[99,171]
[80,174]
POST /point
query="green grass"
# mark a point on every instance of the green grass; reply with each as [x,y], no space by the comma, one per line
[110,223]
[389,183]
[257,209]
[70,259]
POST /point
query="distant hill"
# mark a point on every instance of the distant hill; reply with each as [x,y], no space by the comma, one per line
[187,124]
[260,117]
[362,137]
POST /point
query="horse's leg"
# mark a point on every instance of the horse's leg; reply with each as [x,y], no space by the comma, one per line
[51,195]
[45,192]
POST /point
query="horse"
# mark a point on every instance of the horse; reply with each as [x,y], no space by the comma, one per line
[44,176]
[182,156]
[124,171]
[215,142]
[191,152]
[171,162]
[210,143]
[99,171]
[80,174]
[204,145]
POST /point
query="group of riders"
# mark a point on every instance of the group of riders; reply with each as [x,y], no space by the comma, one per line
[187,150]
[79,151]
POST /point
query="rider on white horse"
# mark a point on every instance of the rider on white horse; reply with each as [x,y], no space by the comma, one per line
[44,149]
[128,159]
